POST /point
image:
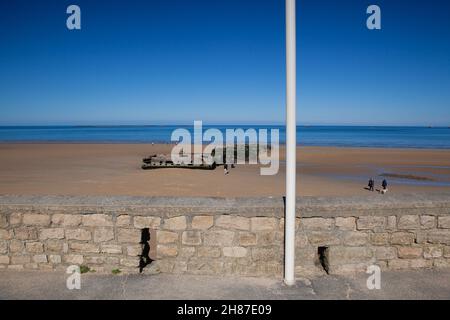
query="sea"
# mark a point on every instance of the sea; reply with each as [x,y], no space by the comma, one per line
[336,136]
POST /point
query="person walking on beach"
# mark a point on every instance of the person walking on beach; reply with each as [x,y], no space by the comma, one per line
[384,185]
[370,184]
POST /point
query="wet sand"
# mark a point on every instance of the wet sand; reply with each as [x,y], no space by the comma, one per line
[114,169]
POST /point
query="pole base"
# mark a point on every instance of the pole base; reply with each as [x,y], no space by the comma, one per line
[289,282]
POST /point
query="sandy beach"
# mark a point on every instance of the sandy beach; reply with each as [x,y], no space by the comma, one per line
[114,169]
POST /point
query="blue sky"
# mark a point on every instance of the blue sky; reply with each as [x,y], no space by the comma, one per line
[156,62]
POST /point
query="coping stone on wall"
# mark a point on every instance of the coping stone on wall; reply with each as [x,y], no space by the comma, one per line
[393,204]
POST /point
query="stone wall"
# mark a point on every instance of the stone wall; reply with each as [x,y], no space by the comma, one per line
[224,236]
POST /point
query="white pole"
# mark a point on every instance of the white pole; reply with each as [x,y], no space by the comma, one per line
[289,260]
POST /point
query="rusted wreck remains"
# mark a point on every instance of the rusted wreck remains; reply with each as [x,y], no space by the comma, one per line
[207,162]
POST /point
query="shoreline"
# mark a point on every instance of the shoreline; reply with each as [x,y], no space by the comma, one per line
[83,142]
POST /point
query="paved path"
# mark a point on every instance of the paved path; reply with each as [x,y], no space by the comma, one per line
[426,284]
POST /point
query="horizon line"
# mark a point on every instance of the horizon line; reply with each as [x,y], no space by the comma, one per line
[224,124]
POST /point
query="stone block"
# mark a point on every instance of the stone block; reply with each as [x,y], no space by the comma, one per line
[147,222]
[54,258]
[208,252]
[176,223]
[163,250]
[379,239]
[76,259]
[97,220]
[301,240]
[130,262]
[348,223]
[34,265]
[202,222]
[247,239]
[265,254]
[421,236]
[192,238]
[402,238]
[266,238]
[134,250]
[263,224]
[348,255]
[427,222]
[123,220]
[35,219]
[15,267]
[78,234]
[441,263]
[374,223]
[51,233]
[112,260]
[3,221]
[15,218]
[218,238]
[103,234]
[25,233]
[385,253]
[439,236]
[355,238]
[323,238]
[316,223]
[391,223]
[22,259]
[84,247]
[165,266]
[234,252]
[397,264]
[111,249]
[3,247]
[4,259]
[94,260]
[409,252]
[447,252]
[431,252]
[34,247]
[186,252]
[16,246]
[444,222]
[40,258]
[420,263]
[6,234]
[66,220]
[408,222]
[233,222]
[128,235]
[54,246]
[166,236]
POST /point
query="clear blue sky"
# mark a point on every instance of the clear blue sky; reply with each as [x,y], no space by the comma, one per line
[222,61]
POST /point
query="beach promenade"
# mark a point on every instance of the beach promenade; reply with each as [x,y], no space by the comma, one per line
[402,285]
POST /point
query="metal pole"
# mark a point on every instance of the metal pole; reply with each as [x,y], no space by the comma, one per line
[289,260]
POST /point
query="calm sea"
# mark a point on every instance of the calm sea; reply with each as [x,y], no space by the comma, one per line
[339,136]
